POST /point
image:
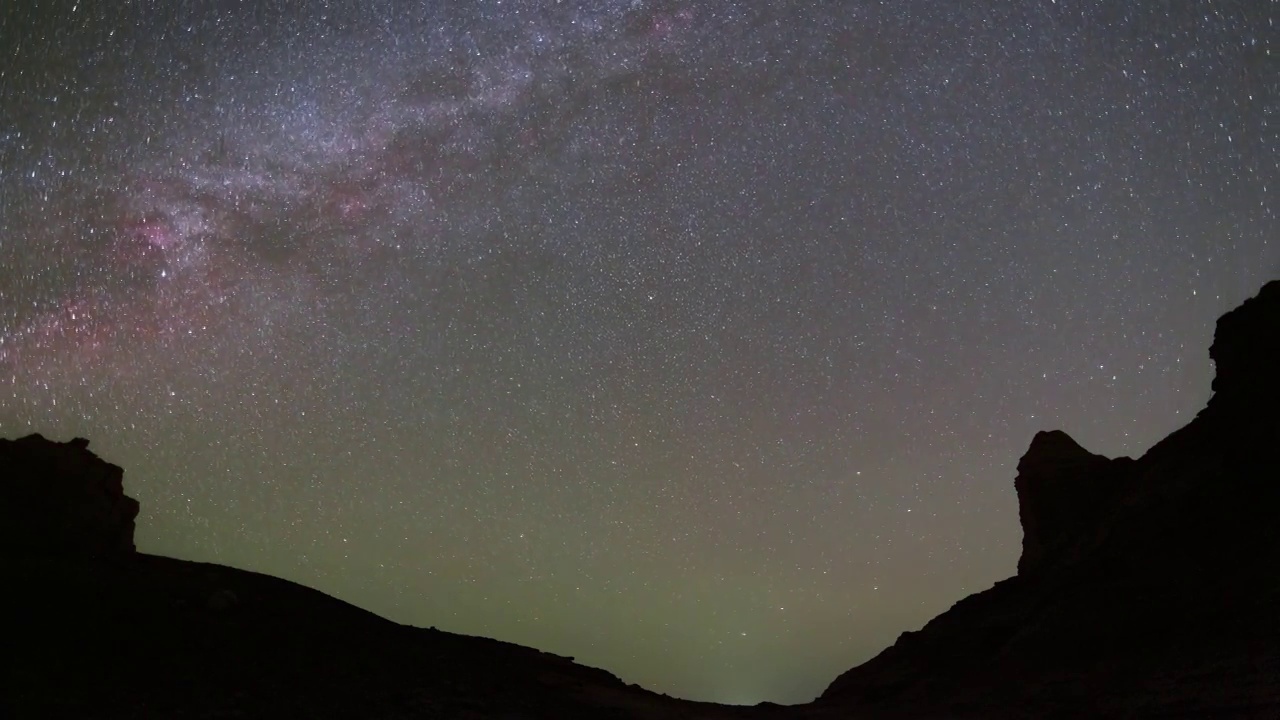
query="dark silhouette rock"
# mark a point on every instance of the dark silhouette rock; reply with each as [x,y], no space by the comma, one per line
[59,499]
[1146,588]
[1065,494]
[1246,352]
[222,600]
[103,631]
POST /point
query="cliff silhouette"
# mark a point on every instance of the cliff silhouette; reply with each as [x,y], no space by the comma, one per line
[1146,588]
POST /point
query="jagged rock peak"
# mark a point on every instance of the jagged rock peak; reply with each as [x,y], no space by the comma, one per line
[1063,492]
[1246,350]
[1054,448]
[61,500]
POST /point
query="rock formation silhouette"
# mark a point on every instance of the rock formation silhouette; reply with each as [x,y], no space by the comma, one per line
[61,500]
[1146,588]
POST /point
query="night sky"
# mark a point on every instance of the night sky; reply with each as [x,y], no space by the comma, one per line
[696,340]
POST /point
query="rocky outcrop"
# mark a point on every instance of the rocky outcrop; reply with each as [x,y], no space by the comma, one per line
[61,500]
[1246,353]
[1066,494]
[1146,588]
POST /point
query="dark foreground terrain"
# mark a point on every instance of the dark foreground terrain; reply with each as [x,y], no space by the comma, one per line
[1146,588]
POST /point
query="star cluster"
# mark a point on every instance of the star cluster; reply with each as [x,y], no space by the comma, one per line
[696,340]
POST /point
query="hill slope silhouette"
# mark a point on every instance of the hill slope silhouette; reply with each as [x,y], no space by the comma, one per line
[1146,588]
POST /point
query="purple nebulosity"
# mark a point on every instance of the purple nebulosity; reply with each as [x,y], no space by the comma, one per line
[386,163]
[156,231]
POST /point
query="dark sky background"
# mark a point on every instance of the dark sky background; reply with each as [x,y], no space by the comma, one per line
[696,340]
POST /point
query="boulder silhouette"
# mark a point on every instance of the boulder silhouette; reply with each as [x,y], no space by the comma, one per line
[61,500]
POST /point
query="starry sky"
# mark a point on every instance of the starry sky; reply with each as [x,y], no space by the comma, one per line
[698,340]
